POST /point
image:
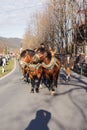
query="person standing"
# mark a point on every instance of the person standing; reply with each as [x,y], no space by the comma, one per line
[68,65]
[3,64]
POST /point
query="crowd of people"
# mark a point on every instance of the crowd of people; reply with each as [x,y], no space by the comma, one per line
[3,62]
[80,65]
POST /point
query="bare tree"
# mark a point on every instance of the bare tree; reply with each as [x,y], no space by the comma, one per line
[57,26]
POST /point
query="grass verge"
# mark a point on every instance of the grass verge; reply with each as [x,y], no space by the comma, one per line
[8,67]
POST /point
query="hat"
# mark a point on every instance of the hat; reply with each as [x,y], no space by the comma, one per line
[42,44]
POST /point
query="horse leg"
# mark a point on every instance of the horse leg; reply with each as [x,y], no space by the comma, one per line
[55,80]
[52,89]
[51,83]
[38,84]
[28,77]
[32,85]
[48,84]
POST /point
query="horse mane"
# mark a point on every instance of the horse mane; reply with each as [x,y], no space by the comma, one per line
[30,52]
[48,55]
[42,50]
[23,53]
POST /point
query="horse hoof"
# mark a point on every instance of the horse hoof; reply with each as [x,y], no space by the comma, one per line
[32,90]
[52,92]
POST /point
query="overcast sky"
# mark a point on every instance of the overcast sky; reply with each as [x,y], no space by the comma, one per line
[15,15]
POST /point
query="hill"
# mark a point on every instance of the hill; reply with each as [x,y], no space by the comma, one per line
[14,43]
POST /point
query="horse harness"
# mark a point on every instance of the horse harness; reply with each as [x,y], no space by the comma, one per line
[33,67]
[51,65]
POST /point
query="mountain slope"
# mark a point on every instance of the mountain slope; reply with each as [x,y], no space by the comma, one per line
[14,43]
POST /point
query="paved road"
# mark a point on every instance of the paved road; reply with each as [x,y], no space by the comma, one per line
[22,110]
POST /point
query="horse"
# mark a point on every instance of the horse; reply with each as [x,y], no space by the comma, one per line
[31,67]
[25,58]
[35,74]
[51,68]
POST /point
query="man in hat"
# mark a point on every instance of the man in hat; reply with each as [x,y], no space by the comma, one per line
[42,47]
[68,64]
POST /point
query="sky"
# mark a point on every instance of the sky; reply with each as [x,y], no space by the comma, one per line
[15,16]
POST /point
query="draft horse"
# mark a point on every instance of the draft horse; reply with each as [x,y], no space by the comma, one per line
[51,68]
[31,67]
[35,74]
[24,59]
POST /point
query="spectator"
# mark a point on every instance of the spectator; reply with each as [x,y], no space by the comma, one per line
[41,48]
[3,64]
[68,64]
[86,59]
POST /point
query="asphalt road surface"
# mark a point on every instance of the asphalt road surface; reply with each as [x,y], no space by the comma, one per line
[22,110]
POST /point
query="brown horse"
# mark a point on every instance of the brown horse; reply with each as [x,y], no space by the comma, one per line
[33,69]
[35,74]
[26,57]
[51,68]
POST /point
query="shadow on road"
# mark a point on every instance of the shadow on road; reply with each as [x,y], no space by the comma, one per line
[40,122]
[72,83]
[81,109]
[78,106]
[80,80]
